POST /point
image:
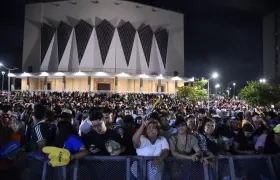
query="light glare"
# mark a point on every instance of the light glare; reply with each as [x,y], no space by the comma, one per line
[160,77]
[101,74]
[144,76]
[25,74]
[123,75]
[215,75]
[59,74]
[44,74]
[11,75]
[176,78]
[80,73]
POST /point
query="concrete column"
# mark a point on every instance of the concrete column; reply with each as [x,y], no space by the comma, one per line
[159,86]
[28,84]
[141,85]
[45,83]
[63,83]
[176,86]
[116,83]
[89,83]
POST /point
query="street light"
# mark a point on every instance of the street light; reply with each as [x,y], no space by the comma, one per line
[214,76]
[228,92]
[262,80]
[234,84]
[3,74]
[9,79]
[217,86]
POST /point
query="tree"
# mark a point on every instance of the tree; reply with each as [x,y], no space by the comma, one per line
[255,93]
[194,93]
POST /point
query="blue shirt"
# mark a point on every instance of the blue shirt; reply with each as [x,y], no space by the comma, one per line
[73,144]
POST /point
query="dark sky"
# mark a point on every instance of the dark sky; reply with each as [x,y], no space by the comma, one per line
[221,35]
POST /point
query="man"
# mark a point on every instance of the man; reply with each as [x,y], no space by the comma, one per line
[107,115]
[85,125]
[40,130]
[108,119]
[101,140]
[166,130]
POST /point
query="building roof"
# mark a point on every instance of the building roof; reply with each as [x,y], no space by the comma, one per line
[100,75]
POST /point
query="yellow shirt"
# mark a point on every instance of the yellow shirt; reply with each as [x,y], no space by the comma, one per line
[244,122]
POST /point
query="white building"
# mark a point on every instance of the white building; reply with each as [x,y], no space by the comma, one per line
[271,45]
[102,36]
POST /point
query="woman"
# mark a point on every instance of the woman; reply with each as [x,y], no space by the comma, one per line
[243,143]
[67,138]
[185,146]
[150,145]
[206,141]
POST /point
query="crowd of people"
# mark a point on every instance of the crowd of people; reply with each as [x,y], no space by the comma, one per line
[112,124]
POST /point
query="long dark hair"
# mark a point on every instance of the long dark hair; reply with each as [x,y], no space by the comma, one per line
[65,130]
[204,122]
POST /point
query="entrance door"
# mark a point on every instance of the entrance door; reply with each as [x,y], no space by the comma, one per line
[161,88]
[49,86]
[103,87]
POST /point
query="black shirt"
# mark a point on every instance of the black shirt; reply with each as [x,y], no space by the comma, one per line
[226,132]
[245,143]
[105,142]
[271,148]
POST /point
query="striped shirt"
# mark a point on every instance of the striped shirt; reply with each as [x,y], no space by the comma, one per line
[40,131]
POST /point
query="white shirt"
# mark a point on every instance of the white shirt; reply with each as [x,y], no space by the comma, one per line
[148,149]
[85,127]
[260,141]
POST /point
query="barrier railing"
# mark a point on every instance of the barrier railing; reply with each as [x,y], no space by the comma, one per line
[142,168]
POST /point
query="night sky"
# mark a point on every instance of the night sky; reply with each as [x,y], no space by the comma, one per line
[220,35]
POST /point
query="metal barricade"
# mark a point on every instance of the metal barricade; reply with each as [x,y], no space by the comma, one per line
[275,163]
[142,168]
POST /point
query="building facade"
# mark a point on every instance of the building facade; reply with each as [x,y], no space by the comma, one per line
[138,47]
[271,45]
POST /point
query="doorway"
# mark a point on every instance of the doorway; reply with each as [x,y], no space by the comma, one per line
[49,86]
[103,86]
[162,89]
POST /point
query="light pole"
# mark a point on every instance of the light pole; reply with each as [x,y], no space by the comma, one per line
[234,84]
[217,86]
[214,75]
[3,74]
[9,79]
